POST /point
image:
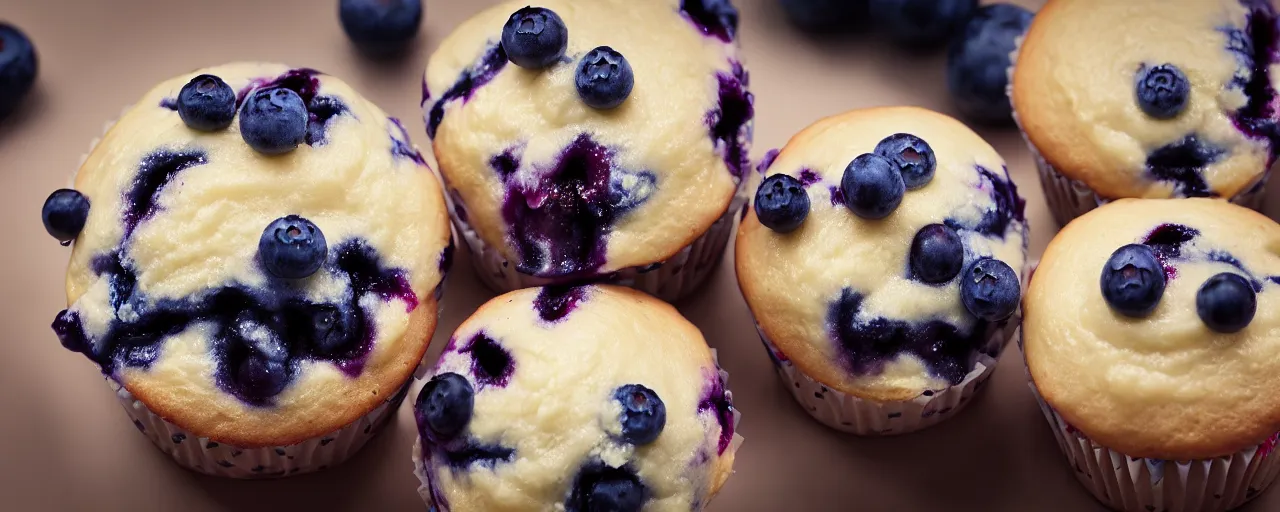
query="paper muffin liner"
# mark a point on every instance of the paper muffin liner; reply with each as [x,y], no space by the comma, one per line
[210,457]
[424,481]
[859,416]
[1068,198]
[1135,484]
[668,280]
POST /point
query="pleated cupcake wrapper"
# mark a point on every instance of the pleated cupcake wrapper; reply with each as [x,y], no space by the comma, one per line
[1068,198]
[859,416]
[1134,484]
[210,457]
[424,487]
[668,280]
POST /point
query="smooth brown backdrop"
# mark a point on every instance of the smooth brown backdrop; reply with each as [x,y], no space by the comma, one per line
[65,443]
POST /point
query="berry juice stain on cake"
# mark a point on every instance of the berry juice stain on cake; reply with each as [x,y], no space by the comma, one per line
[1009,207]
[717,400]
[715,18]
[1167,241]
[730,122]
[1256,48]
[489,65]
[306,82]
[554,303]
[401,145]
[155,171]
[1183,163]
[868,344]
[560,217]
[491,364]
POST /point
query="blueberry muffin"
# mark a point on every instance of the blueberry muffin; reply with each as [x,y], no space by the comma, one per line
[593,140]
[257,264]
[881,261]
[1162,99]
[1152,334]
[574,399]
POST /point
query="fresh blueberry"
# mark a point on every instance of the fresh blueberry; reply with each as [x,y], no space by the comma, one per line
[1162,91]
[445,404]
[18,65]
[920,23]
[535,38]
[978,62]
[643,414]
[64,214]
[292,248]
[604,78]
[937,254]
[207,104]
[826,16]
[380,27]
[990,290]
[602,488]
[260,377]
[1133,280]
[872,186]
[1226,303]
[782,203]
[273,121]
[912,156]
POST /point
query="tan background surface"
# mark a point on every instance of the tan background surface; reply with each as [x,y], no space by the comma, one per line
[66,445]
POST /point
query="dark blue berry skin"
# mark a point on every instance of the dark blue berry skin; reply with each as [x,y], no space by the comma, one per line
[872,186]
[990,290]
[1133,281]
[604,78]
[601,488]
[18,66]
[535,38]
[826,16]
[643,414]
[64,214]
[622,495]
[292,248]
[921,23]
[912,156]
[937,254]
[1226,303]
[445,405]
[261,378]
[274,121]
[1162,91]
[782,203]
[207,104]
[333,328]
[380,27]
[978,62]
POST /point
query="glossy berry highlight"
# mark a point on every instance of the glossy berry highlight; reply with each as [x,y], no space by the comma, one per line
[872,186]
[1162,91]
[534,38]
[445,405]
[990,290]
[912,156]
[292,248]
[937,254]
[1226,303]
[643,414]
[273,121]
[64,214]
[604,79]
[1133,281]
[782,203]
[207,104]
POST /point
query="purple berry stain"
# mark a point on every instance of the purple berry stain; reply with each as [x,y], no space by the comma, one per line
[730,123]
[1183,163]
[715,18]
[306,82]
[401,146]
[156,170]
[554,303]
[1167,241]
[491,364]
[717,400]
[767,162]
[559,221]
[1009,207]
[809,177]
[169,103]
[1256,48]
[837,196]
[489,65]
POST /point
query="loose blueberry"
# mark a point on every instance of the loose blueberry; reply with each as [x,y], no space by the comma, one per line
[990,290]
[534,38]
[978,62]
[912,156]
[826,16]
[872,186]
[782,203]
[273,121]
[260,377]
[380,27]
[920,23]
[643,414]
[207,104]
[445,404]
[18,66]
[937,254]
[292,248]
[64,214]
[604,78]
[1226,303]
[1133,280]
[1162,91]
